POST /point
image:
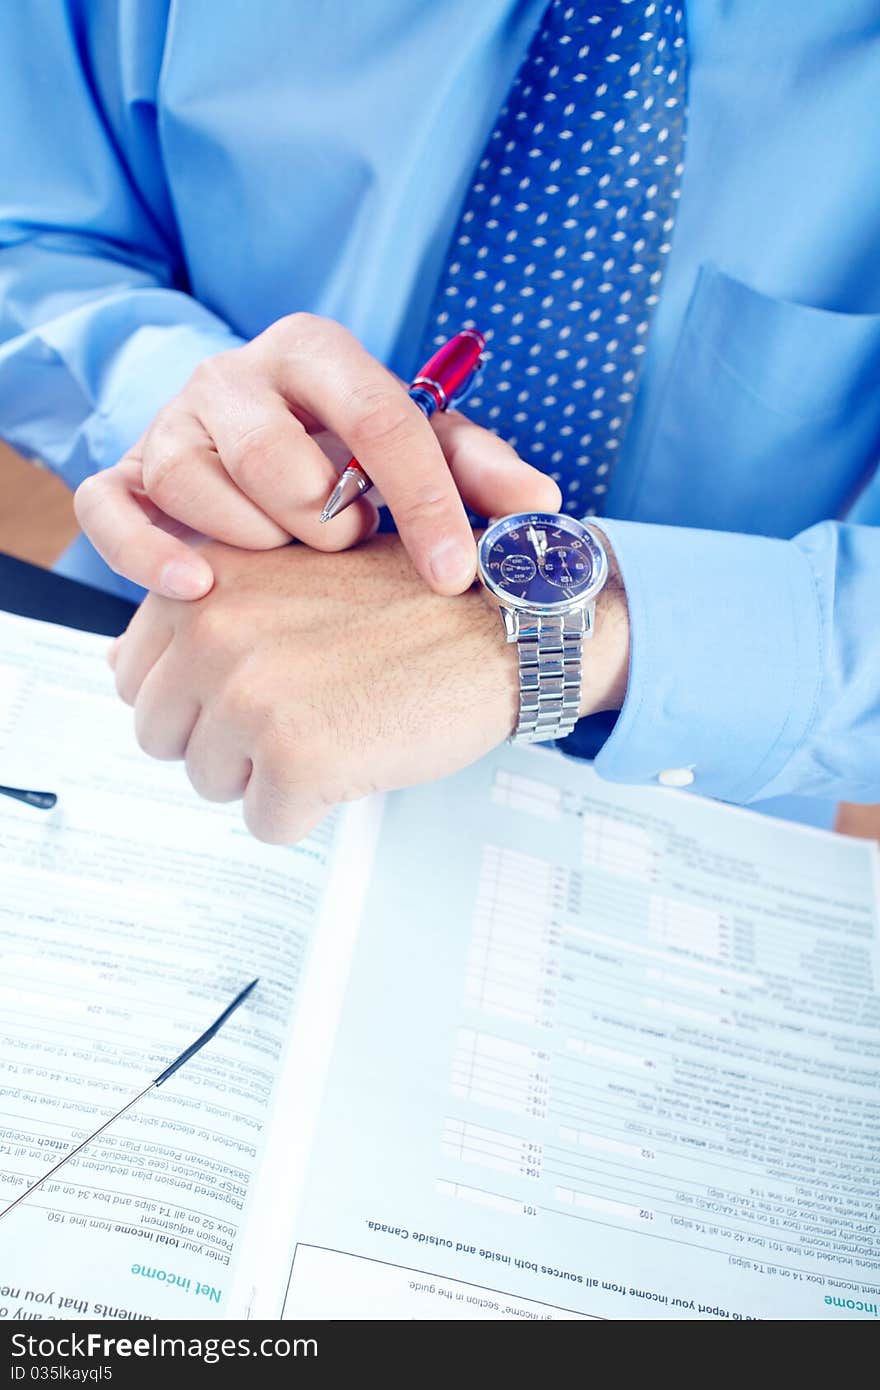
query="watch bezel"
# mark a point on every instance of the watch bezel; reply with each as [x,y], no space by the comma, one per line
[568,605]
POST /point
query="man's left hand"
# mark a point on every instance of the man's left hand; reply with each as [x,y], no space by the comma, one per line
[306,679]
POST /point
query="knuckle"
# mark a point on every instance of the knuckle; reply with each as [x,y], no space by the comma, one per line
[380,418]
[163,436]
[213,372]
[246,464]
[298,333]
[164,467]
[242,705]
[425,506]
[236,703]
[301,323]
[311,327]
[254,459]
[164,422]
[243,694]
[209,632]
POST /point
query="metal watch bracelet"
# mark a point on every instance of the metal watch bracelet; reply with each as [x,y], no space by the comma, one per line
[550,670]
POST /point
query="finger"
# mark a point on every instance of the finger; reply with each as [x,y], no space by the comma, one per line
[279,813]
[165,712]
[489,474]
[337,380]
[112,652]
[138,650]
[217,762]
[109,511]
[183,474]
[269,458]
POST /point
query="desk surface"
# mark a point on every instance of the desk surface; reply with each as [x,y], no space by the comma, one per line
[37,593]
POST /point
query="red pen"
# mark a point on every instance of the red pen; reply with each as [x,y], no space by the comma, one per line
[441,383]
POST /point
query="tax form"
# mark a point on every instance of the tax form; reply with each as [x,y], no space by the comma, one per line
[608,1049]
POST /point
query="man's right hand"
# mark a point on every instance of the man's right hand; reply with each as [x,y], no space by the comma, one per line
[235,457]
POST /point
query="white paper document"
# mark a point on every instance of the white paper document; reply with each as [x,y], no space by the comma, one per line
[526,1044]
[129,917]
[611,1050]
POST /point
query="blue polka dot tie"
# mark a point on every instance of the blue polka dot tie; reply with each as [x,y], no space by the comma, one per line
[559,250]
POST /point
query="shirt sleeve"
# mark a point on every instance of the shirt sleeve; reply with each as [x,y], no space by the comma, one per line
[754,663]
[96,331]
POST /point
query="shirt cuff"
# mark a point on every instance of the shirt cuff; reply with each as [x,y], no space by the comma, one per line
[725,659]
[80,390]
[153,364]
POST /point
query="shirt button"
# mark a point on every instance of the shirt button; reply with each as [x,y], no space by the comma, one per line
[676,777]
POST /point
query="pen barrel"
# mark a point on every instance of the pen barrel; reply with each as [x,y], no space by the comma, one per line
[451,367]
[442,382]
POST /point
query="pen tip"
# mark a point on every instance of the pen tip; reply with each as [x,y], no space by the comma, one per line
[325,517]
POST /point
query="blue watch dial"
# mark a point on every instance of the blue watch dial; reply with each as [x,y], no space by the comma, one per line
[539,558]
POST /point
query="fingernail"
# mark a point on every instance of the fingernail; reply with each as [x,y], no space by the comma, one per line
[185,579]
[112,652]
[451,564]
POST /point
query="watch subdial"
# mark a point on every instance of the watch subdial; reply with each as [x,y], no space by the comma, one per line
[565,567]
[517,570]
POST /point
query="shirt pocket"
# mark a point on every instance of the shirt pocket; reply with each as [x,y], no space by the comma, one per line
[770,420]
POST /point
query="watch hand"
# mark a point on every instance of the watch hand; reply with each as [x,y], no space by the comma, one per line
[539,542]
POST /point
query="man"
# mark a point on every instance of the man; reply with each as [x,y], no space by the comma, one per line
[193,189]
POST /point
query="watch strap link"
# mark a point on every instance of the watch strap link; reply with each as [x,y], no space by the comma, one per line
[550,660]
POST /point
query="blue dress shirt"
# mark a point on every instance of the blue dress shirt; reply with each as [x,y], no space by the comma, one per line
[177,174]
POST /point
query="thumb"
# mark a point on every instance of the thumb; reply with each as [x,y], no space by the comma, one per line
[491,477]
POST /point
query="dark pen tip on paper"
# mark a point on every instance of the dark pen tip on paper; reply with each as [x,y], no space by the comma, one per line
[43,801]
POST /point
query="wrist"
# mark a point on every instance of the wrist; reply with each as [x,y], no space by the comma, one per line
[499,660]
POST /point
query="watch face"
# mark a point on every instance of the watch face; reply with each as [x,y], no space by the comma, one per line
[541,560]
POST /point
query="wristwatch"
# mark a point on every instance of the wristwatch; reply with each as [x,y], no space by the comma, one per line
[545,571]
